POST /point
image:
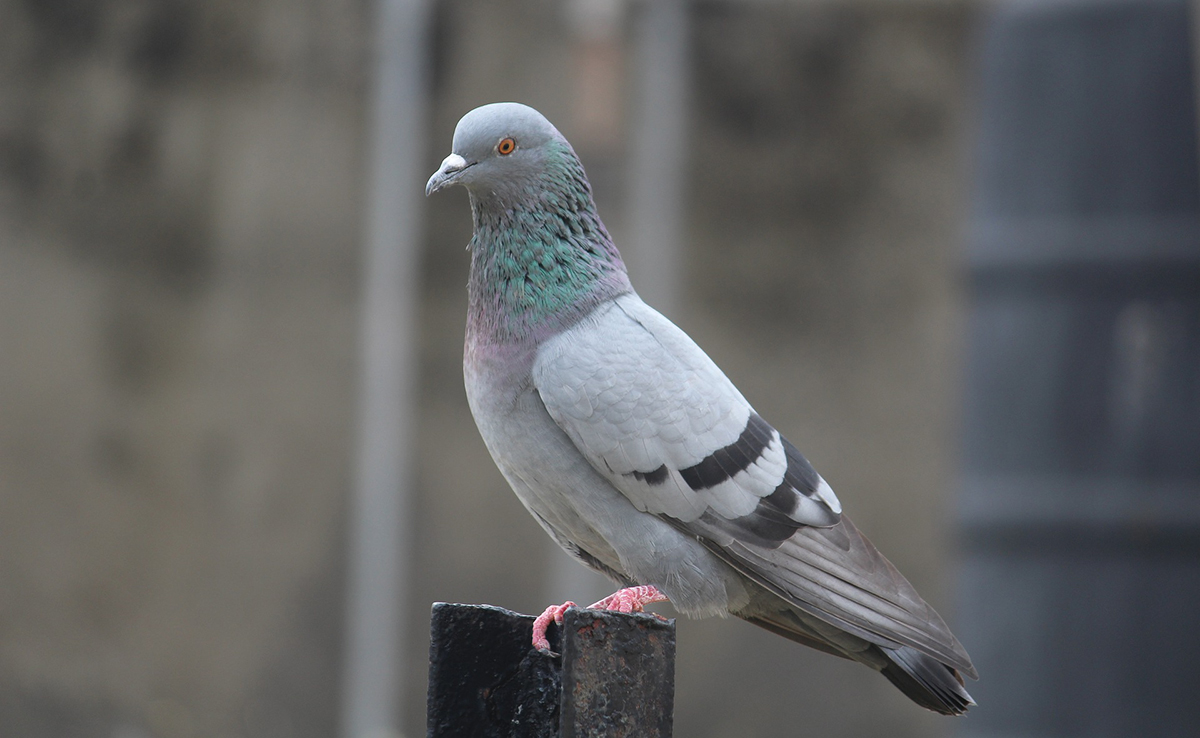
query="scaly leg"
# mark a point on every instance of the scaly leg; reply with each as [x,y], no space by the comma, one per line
[630,599]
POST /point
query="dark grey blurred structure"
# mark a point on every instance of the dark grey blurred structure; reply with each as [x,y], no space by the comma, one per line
[1081,478]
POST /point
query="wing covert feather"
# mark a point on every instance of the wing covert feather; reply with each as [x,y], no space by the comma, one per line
[655,415]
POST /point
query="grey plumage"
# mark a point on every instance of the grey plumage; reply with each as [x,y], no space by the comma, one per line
[634,451]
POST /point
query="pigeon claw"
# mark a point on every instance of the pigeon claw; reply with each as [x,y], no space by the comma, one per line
[542,623]
[630,599]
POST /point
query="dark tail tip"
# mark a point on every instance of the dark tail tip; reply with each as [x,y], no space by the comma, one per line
[927,681]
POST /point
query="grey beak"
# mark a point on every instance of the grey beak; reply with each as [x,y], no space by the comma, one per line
[452,166]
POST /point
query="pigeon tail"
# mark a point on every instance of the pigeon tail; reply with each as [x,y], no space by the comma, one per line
[926,681]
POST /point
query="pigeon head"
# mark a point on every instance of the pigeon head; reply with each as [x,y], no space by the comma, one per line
[502,149]
[541,257]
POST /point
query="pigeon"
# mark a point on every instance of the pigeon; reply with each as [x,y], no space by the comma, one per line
[635,452]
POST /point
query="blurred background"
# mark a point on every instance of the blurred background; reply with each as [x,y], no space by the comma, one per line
[950,248]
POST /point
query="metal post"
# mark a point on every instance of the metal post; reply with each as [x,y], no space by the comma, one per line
[615,677]
[378,576]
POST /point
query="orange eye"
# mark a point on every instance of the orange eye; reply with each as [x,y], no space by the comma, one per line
[506,146]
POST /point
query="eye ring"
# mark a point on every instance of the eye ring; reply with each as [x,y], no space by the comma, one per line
[506,146]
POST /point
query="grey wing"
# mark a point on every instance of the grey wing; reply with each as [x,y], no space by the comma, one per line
[654,415]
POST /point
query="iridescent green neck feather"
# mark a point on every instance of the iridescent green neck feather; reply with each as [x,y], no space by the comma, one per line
[541,258]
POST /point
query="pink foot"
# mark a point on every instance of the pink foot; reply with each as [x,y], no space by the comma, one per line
[542,622]
[631,599]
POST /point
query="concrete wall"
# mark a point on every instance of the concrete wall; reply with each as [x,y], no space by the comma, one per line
[180,193]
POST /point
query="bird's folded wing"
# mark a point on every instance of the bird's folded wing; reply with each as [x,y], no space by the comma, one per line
[653,414]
